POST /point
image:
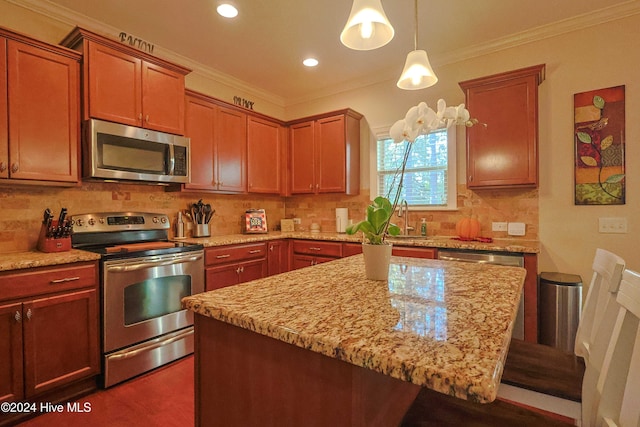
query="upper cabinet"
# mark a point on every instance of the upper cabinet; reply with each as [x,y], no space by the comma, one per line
[218,145]
[504,153]
[325,153]
[266,142]
[125,85]
[39,111]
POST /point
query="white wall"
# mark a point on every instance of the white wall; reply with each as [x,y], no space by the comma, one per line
[598,57]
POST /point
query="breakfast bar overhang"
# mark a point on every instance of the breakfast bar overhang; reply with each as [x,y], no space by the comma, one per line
[324,346]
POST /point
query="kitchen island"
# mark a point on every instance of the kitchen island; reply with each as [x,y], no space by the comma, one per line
[324,346]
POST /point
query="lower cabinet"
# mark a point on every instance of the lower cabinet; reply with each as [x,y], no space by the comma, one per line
[49,331]
[278,257]
[232,264]
[311,252]
[414,252]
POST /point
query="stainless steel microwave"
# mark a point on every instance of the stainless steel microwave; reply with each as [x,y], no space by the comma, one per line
[126,153]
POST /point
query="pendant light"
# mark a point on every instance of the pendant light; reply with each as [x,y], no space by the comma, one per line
[417,72]
[367,27]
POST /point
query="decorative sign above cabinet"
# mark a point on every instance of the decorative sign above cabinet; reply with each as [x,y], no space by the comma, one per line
[245,103]
[134,41]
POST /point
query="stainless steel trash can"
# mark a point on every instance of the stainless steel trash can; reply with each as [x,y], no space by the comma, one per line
[559,308]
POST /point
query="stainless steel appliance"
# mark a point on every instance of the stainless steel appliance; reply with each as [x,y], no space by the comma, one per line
[117,152]
[488,257]
[143,280]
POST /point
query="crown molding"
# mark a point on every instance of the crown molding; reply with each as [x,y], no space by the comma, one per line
[72,18]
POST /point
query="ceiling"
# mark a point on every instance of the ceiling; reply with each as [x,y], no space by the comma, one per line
[265,45]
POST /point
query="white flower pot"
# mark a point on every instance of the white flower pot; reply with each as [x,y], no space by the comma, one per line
[376,260]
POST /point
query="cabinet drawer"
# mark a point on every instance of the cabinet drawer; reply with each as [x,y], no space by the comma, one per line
[233,253]
[428,253]
[47,280]
[314,247]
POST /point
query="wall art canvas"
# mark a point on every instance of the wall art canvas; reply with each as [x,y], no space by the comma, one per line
[599,125]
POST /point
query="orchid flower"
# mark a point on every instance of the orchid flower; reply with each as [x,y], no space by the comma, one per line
[421,119]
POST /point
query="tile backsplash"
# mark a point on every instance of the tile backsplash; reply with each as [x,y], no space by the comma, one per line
[22,206]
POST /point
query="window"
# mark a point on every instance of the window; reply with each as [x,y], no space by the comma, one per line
[429,179]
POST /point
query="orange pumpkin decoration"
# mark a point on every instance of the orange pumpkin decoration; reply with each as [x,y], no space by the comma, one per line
[468,228]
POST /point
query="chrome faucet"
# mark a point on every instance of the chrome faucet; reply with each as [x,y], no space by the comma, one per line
[403,212]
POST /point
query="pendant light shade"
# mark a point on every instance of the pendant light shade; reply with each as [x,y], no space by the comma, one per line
[367,27]
[417,72]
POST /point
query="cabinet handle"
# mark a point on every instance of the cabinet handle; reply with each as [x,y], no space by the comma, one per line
[146,119]
[317,186]
[29,314]
[3,166]
[315,249]
[223,256]
[241,269]
[66,279]
[18,317]
[310,186]
[140,117]
[255,251]
[14,167]
[238,270]
[471,178]
[271,248]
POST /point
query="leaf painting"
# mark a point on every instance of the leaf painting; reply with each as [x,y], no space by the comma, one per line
[599,142]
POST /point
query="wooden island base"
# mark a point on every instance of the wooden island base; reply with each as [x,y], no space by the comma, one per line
[246,379]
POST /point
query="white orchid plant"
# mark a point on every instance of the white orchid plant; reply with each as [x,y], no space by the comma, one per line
[419,120]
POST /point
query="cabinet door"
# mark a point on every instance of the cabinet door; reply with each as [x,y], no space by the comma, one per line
[253,270]
[162,99]
[331,155]
[11,385]
[302,158]
[43,114]
[222,276]
[504,153]
[199,124]
[301,261]
[61,340]
[263,156]
[349,249]
[231,150]
[4,125]
[115,85]
[278,257]
[427,253]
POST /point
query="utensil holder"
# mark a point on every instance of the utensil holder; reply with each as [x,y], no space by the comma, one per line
[52,244]
[201,230]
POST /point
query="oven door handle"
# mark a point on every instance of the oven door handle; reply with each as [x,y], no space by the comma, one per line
[151,264]
[150,347]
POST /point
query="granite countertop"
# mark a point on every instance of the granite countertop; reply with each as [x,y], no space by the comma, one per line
[30,259]
[444,325]
[501,245]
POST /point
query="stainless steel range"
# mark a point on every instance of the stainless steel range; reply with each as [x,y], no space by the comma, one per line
[144,276]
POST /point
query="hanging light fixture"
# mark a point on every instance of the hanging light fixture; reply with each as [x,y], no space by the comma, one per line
[417,72]
[367,27]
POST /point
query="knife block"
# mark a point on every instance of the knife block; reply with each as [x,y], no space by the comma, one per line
[46,244]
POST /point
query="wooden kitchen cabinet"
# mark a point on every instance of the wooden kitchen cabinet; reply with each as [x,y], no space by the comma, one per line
[278,257]
[325,154]
[414,252]
[233,264]
[39,111]
[128,86]
[218,145]
[266,141]
[311,252]
[504,153]
[49,320]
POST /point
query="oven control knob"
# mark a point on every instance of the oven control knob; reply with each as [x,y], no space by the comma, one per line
[163,219]
[79,222]
[155,220]
[101,221]
[92,221]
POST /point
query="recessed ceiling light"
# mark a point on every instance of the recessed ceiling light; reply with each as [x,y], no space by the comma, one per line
[310,62]
[227,10]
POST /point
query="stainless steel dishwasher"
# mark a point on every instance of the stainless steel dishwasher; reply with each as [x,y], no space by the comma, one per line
[488,257]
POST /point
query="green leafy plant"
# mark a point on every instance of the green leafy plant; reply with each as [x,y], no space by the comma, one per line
[378,223]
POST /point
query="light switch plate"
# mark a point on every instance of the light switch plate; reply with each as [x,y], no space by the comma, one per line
[498,226]
[612,225]
[516,229]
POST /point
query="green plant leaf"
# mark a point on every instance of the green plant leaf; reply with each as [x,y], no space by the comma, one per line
[589,161]
[584,137]
[598,102]
[615,178]
[606,142]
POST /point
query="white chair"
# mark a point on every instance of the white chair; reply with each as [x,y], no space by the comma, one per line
[592,338]
[618,389]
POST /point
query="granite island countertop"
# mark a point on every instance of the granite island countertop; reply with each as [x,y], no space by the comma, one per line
[440,324]
[499,245]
